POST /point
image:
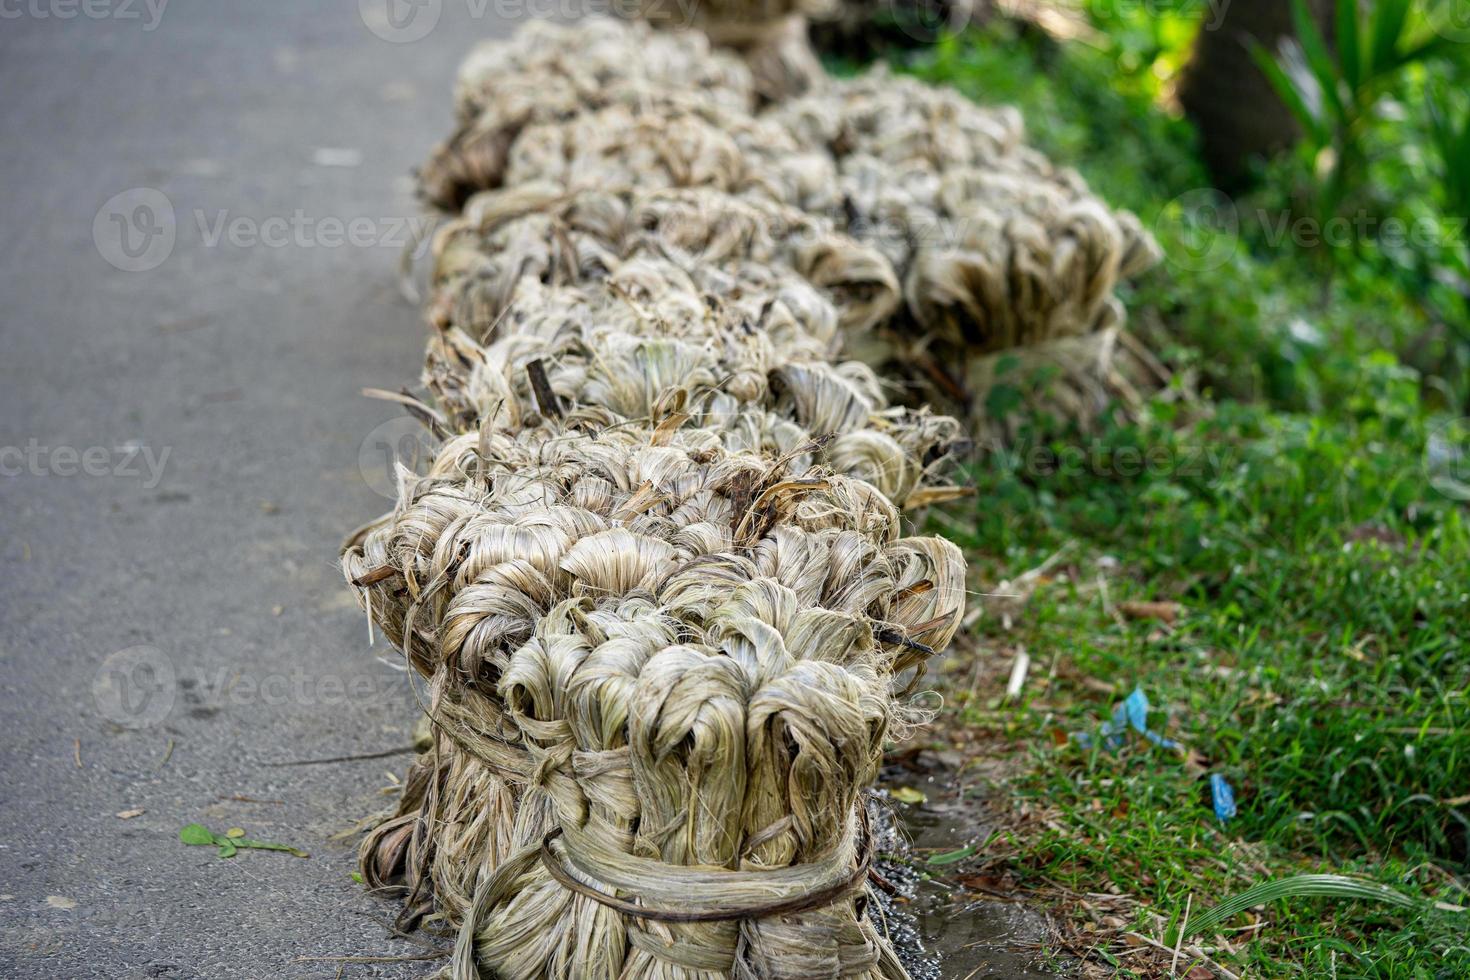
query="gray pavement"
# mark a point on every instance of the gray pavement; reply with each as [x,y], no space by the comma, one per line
[182,442]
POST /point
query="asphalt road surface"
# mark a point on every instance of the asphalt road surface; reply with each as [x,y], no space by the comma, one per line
[203,210]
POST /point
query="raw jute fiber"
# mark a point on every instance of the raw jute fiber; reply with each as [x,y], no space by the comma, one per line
[974,243]
[639,312]
[655,579]
[661,675]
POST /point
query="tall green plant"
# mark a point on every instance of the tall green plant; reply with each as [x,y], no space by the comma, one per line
[1451,139]
[1333,90]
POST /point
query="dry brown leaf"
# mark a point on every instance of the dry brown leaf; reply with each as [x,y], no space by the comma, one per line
[1164,612]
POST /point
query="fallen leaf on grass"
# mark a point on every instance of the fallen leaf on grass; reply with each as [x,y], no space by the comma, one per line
[231,841]
[1164,612]
[907,794]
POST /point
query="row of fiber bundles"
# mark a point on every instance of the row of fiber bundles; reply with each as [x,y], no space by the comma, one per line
[974,248]
[656,577]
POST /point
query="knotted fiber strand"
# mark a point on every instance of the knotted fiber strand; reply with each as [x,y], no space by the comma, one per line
[997,250]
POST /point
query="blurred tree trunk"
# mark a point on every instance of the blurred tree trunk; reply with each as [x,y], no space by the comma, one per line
[1232,103]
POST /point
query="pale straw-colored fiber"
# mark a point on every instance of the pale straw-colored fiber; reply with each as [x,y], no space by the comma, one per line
[967,241]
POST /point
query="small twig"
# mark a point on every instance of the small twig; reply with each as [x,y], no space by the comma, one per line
[76,752]
[546,400]
[1179,940]
[1019,670]
[168,753]
[386,753]
[375,575]
[249,799]
[1193,951]
[438,954]
[897,638]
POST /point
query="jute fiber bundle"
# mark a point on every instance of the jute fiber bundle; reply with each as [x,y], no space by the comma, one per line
[998,248]
[661,675]
[550,72]
[995,248]
[655,579]
[643,316]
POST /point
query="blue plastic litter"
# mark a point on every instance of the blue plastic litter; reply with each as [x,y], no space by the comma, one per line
[1223,797]
[1132,713]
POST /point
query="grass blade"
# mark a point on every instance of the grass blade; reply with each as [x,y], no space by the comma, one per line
[1299,886]
[1287,91]
[1384,31]
[1319,60]
[1349,44]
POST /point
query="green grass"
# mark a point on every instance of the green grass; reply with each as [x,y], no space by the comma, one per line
[1320,666]
[1321,663]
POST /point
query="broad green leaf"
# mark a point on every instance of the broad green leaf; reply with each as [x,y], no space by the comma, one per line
[1299,886]
[1384,30]
[950,857]
[1287,91]
[1349,44]
[196,834]
[232,841]
[1314,47]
